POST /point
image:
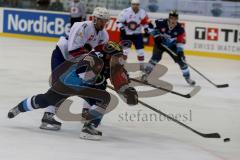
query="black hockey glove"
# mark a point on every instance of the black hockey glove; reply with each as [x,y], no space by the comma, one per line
[150,25]
[146,32]
[131,95]
[146,36]
[122,33]
[88,47]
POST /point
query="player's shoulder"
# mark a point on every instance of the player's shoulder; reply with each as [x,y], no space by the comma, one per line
[87,23]
[84,24]
[104,32]
[180,27]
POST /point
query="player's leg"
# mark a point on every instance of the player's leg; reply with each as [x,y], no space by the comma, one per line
[70,84]
[181,61]
[126,41]
[37,102]
[139,46]
[156,57]
[48,121]
[89,130]
[93,112]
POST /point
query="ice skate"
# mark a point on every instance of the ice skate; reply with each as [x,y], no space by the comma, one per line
[90,132]
[13,112]
[49,123]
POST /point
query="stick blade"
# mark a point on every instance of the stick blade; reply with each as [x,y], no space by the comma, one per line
[211,135]
[222,85]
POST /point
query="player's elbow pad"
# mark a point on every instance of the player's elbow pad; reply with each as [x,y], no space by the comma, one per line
[119,79]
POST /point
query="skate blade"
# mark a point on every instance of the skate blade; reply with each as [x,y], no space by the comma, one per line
[50,127]
[87,136]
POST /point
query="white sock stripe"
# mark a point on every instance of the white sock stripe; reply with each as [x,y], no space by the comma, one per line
[185,70]
[86,105]
[29,105]
[140,52]
[94,107]
[180,45]
[51,109]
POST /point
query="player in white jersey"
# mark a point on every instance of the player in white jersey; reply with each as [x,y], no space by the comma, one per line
[83,37]
[131,21]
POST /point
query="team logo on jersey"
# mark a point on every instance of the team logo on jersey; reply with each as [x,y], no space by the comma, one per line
[132,25]
[163,29]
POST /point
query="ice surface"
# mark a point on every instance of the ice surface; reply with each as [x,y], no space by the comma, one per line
[24,71]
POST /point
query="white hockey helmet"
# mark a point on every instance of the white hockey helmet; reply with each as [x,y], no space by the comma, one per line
[101,13]
[135,2]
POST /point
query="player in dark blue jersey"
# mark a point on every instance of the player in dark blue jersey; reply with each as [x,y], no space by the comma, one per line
[169,32]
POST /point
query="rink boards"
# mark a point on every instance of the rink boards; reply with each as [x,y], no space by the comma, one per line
[205,36]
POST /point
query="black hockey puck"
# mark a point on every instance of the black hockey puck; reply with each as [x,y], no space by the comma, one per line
[226,139]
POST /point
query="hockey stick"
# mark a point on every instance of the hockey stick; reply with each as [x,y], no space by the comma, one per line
[189,95]
[175,55]
[216,85]
[205,135]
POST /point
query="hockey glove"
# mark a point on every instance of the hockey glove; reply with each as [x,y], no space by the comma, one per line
[146,36]
[122,33]
[131,95]
[146,32]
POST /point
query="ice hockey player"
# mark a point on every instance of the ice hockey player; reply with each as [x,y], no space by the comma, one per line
[170,33]
[82,38]
[87,79]
[131,21]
